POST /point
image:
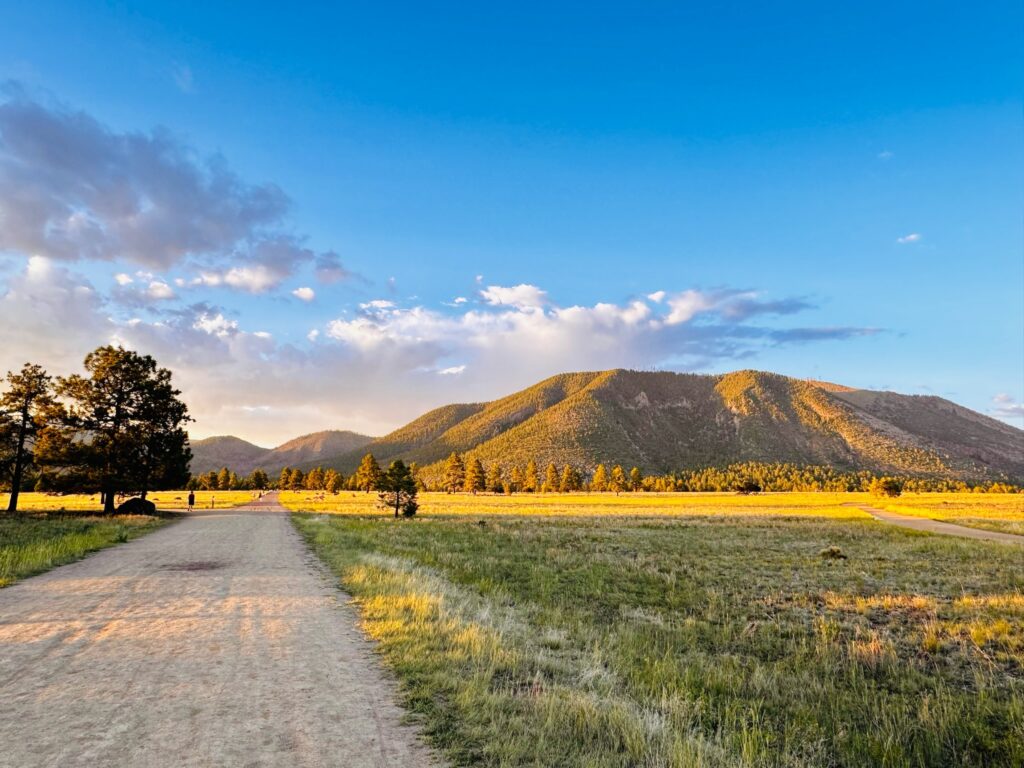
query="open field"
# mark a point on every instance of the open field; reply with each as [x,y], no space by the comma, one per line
[991,511]
[31,544]
[164,500]
[688,630]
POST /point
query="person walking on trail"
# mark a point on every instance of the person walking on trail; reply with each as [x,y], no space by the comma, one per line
[191,500]
[213,501]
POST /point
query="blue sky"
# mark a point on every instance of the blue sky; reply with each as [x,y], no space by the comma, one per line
[824,191]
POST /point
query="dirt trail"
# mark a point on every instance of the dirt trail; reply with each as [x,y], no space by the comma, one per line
[217,641]
[937,526]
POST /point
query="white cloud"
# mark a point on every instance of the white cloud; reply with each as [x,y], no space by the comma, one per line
[304,293]
[913,237]
[313,335]
[216,325]
[459,300]
[454,370]
[377,304]
[160,291]
[657,297]
[123,279]
[885,154]
[522,295]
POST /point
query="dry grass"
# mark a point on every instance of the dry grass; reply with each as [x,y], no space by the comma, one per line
[164,500]
[686,630]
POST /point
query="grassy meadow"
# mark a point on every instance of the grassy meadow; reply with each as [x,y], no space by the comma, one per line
[33,543]
[165,500]
[686,630]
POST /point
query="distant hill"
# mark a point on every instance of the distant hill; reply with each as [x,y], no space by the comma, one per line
[668,421]
[243,457]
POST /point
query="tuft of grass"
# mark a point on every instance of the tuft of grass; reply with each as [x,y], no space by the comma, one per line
[31,544]
[590,638]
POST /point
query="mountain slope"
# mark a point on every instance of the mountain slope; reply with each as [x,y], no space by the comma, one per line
[667,421]
[243,457]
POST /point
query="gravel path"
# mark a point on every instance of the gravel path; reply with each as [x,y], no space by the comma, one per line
[217,641]
[937,526]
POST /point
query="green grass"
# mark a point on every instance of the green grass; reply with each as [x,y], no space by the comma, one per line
[691,639]
[31,544]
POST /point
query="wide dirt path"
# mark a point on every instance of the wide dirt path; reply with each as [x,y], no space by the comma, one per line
[937,526]
[217,641]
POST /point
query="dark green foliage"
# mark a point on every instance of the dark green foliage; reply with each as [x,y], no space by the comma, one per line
[397,489]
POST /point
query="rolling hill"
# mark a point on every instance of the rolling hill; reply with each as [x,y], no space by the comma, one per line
[664,421]
[243,457]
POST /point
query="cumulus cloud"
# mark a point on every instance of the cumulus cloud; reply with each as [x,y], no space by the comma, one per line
[521,296]
[73,189]
[913,237]
[383,364]
[305,293]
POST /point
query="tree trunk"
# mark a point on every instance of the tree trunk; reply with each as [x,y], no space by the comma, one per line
[19,465]
[108,501]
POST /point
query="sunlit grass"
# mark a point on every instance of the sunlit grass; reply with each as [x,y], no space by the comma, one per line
[165,500]
[31,544]
[990,511]
[686,630]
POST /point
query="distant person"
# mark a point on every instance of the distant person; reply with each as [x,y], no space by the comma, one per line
[191,500]
[213,501]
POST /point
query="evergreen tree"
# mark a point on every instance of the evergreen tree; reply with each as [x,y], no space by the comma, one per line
[636,479]
[550,479]
[333,481]
[258,480]
[23,408]
[224,480]
[495,481]
[454,476]
[475,477]
[315,479]
[599,482]
[397,489]
[284,481]
[531,481]
[121,427]
[570,480]
[618,483]
[368,475]
[297,480]
[234,483]
[515,480]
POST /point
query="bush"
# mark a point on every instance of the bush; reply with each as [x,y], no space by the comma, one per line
[137,506]
[886,486]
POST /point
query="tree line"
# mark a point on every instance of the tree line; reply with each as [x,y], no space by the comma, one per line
[117,429]
[461,474]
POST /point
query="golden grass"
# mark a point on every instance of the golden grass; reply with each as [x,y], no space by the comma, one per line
[829,505]
[164,500]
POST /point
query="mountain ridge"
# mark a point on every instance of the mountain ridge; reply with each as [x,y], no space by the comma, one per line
[664,422]
[213,453]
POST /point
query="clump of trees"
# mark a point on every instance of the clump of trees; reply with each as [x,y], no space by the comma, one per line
[119,429]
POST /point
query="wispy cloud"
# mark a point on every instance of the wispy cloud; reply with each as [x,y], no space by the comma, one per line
[1007,407]
[913,237]
[305,293]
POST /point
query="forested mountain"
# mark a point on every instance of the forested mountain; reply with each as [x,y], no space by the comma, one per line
[213,453]
[662,422]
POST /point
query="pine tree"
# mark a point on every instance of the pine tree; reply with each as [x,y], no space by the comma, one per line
[368,474]
[636,479]
[333,481]
[22,415]
[515,480]
[599,482]
[550,479]
[454,477]
[531,482]
[297,480]
[475,477]
[284,479]
[397,489]
[258,480]
[570,480]
[619,483]
[224,480]
[315,479]
[495,481]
